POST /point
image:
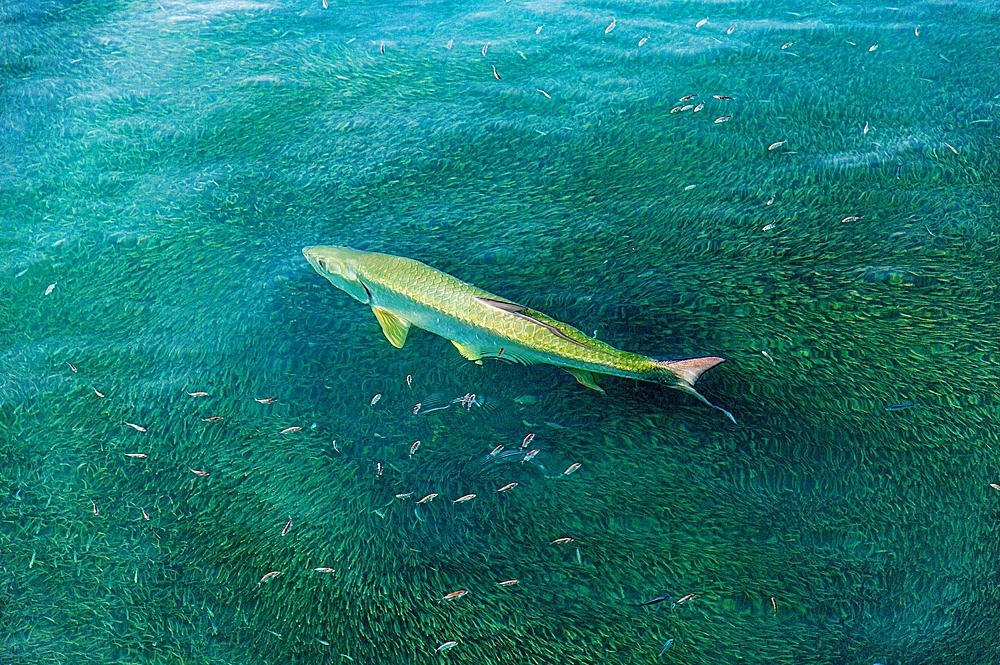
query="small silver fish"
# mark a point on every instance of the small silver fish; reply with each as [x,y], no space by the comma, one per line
[901,406]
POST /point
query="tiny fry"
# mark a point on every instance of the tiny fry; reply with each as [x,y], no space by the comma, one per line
[270,576]
[571,468]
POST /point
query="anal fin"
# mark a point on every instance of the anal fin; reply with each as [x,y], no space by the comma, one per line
[586,378]
[469,352]
[395,327]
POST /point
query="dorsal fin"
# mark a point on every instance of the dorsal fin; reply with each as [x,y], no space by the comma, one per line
[395,327]
[513,308]
[519,311]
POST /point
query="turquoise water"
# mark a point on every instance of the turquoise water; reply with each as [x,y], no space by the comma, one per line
[163,164]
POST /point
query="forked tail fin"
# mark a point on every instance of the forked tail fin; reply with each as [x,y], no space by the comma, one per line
[682,375]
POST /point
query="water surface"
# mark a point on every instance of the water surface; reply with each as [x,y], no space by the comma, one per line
[163,164]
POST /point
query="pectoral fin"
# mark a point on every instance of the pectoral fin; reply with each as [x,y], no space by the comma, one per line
[586,378]
[469,352]
[394,327]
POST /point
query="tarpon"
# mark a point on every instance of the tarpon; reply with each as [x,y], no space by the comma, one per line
[404,293]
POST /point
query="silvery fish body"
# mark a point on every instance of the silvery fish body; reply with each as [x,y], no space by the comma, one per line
[403,293]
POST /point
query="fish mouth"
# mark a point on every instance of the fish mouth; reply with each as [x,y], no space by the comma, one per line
[315,259]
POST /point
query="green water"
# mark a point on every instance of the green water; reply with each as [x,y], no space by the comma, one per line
[163,164]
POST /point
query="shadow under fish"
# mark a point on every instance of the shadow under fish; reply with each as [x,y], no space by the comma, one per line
[499,410]
[503,460]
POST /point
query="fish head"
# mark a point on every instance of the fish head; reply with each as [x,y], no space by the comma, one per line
[340,267]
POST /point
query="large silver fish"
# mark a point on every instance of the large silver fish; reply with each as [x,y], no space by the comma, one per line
[403,293]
